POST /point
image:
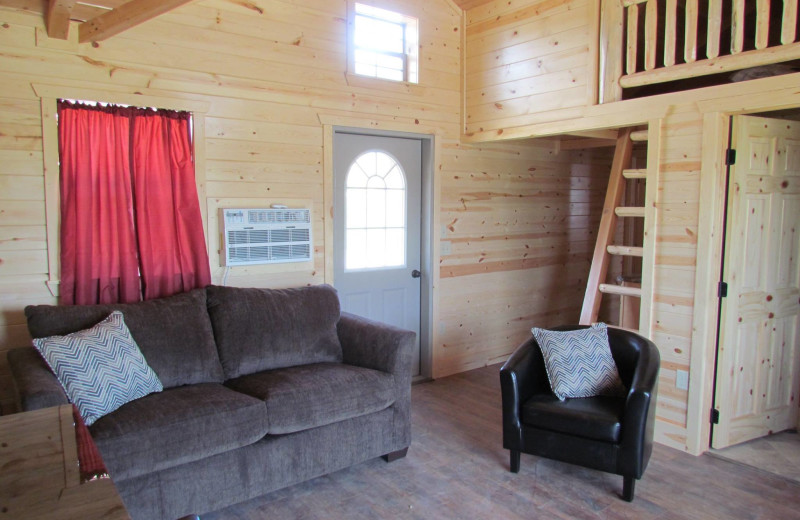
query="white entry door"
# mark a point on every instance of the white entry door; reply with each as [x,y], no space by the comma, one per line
[377,219]
[758,375]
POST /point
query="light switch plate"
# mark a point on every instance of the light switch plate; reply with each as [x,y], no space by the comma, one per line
[682,380]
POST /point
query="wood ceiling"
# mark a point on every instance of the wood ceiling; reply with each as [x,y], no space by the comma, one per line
[101,19]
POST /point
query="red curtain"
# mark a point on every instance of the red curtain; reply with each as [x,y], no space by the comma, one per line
[98,245]
[130,217]
[172,247]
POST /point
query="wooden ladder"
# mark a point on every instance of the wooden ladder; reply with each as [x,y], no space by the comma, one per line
[621,171]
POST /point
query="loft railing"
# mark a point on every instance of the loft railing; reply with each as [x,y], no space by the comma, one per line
[643,42]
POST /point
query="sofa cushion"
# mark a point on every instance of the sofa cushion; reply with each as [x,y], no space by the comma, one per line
[101,368]
[264,329]
[598,418]
[308,396]
[177,426]
[173,333]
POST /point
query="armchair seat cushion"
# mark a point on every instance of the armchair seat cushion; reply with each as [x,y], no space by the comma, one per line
[307,396]
[177,426]
[598,418]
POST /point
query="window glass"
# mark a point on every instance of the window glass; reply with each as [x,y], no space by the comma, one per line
[385,44]
[375,214]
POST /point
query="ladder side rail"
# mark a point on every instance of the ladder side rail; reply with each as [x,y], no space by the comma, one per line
[605,234]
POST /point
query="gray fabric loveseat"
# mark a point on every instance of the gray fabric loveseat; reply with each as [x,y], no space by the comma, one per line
[262,389]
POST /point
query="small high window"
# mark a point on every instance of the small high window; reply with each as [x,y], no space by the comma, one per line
[385,44]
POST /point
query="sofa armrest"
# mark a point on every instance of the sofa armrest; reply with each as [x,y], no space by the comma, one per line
[371,344]
[35,385]
[378,346]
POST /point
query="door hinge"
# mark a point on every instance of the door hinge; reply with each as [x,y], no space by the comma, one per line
[730,156]
[714,416]
[722,290]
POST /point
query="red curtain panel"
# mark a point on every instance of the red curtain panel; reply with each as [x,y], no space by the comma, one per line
[98,245]
[130,217]
[172,247]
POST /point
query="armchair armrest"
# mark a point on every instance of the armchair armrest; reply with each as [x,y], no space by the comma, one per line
[520,377]
[35,385]
[640,409]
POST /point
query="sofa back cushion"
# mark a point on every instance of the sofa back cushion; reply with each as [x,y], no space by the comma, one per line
[173,333]
[263,329]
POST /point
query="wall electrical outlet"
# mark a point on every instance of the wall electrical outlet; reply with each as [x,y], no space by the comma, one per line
[446,248]
[682,380]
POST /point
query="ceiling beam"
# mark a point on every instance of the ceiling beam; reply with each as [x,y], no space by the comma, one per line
[124,17]
[597,134]
[581,144]
[58,14]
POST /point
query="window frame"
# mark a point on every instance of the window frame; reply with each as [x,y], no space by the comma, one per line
[409,57]
[49,96]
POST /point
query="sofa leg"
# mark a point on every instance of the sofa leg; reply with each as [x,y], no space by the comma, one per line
[628,483]
[514,461]
[393,456]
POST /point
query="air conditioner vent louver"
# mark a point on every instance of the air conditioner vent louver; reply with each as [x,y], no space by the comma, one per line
[266,236]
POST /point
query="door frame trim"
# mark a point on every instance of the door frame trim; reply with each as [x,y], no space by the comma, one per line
[429,239]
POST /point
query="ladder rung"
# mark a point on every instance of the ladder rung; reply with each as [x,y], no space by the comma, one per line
[635,331]
[608,288]
[635,173]
[639,136]
[625,250]
[629,211]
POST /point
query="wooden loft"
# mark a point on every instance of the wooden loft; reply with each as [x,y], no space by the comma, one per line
[556,68]
[99,19]
[659,41]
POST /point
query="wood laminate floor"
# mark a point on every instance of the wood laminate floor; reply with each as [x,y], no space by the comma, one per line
[456,468]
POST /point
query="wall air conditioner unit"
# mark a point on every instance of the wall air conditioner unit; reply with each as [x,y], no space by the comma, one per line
[266,236]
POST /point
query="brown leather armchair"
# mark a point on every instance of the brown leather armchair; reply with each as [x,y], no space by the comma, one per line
[613,434]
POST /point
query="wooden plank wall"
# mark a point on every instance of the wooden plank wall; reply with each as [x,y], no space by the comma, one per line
[270,71]
[525,58]
[522,234]
[675,264]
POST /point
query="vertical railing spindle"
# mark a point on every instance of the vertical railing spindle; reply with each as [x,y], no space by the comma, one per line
[633,32]
[762,24]
[789,29]
[670,29]
[714,26]
[737,27]
[690,39]
[650,34]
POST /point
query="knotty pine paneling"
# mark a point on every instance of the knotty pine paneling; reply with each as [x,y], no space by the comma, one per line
[521,230]
[675,264]
[524,59]
[518,216]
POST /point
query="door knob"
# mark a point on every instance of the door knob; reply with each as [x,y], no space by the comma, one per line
[415,274]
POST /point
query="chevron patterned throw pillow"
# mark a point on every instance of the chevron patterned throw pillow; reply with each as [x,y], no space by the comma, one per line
[100,368]
[579,362]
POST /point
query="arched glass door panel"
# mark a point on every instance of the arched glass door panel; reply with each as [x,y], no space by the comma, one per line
[375,221]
